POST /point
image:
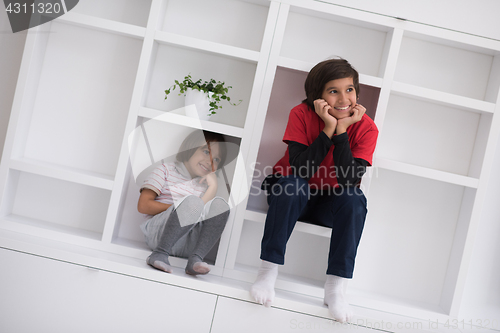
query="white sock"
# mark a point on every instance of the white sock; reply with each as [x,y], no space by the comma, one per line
[335,298]
[262,290]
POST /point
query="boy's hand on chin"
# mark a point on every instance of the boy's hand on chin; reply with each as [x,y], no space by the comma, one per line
[321,107]
[357,113]
[210,179]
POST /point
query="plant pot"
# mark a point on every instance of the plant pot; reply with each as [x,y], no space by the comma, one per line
[197,104]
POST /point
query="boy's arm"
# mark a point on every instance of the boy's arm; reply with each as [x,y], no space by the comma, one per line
[305,160]
[349,170]
[148,205]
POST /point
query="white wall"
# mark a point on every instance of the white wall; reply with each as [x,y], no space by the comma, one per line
[12,46]
[478,17]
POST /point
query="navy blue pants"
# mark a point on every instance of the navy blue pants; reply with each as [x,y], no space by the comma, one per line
[344,210]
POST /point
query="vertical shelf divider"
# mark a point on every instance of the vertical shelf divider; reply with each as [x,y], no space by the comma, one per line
[140,81]
[16,136]
[229,240]
[251,140]
[460,269]
[393,46]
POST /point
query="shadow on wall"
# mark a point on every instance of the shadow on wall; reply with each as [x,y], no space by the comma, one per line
[10,62]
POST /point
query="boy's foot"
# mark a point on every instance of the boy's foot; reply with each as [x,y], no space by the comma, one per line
[196,266]
[262,290]
[335,298]
[159,261]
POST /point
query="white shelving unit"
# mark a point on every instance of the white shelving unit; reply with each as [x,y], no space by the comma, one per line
[425,190]
[91,92]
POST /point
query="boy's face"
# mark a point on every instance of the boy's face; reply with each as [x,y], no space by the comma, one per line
[200,163]
[341,96]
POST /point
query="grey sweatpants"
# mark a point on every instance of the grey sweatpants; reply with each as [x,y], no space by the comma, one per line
[184,247]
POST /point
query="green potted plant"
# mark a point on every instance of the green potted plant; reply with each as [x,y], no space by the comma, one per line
[202,97]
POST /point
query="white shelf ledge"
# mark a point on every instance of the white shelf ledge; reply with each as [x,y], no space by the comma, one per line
[443,98]
[177,117]
[299,226]
[204,45]
[309,288]
[426,172]
[103,24]
[62,173]
[305,66]
[49,230]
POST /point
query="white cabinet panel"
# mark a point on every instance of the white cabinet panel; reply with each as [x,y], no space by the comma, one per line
[43,295]
[237,316]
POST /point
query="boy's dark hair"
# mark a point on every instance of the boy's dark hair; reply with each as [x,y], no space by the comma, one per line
[325,72]
[192,142]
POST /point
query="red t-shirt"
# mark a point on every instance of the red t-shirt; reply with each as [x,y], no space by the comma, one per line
[304,126]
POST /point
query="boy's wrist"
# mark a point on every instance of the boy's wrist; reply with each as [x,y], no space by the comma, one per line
[329,131]
[340,129]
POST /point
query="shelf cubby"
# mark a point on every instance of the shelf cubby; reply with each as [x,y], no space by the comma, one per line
[434,136]
[133,12]
[152,142]
[53,205]
[239,24]
[288,91]
[306,29]
[71,93]
[449,66]
[237,73]
[409,235]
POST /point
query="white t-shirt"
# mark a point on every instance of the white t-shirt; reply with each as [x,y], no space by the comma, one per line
[172,183]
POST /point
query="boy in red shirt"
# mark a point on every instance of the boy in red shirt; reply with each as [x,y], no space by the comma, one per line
[330,143]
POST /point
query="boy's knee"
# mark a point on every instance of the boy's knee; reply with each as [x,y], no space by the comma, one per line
[192,202]
[218,206]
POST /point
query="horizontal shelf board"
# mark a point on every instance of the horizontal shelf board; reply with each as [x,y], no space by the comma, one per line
[136,249]
[287,283]
[199,44]
[63,173]
[103,24]
[426,172]
[444,98]
[330,10]
[299,226]
[452,38]
[394,305]
[46,229]
[177,117]
[305,66]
